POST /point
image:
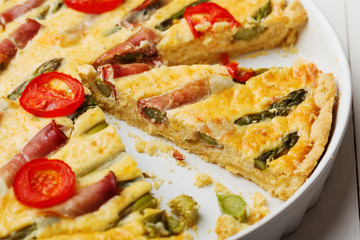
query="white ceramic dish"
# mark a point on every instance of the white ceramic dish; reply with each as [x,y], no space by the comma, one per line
[318,43]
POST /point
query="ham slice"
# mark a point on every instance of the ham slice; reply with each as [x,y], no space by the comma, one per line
[46,141]
[20,37]
[18,10]
[143,43]
[7,50]
[27,31]
[88,199]
[187,94]
[111,71]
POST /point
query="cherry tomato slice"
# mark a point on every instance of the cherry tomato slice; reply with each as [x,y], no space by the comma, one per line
[239,76]
[52,94]
[93,6]
[211,13]
[42,183]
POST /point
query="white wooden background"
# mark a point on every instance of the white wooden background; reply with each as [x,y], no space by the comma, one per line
[336,215]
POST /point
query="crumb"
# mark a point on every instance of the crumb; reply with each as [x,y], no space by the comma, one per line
[140,145]
[169,181]
[255,55]
[195,230]
[181,163]
[289,50]
[226,226]
[202,179]
[171,170]
[210,231]
[221,188]
[153,148]
[158,183]
[257,211]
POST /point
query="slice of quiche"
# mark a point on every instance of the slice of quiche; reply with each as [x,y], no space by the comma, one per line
[200,31]
[188,32]
[94,152]
[271,129]
[141,34]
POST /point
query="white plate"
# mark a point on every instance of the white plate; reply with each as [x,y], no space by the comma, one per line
[318,43]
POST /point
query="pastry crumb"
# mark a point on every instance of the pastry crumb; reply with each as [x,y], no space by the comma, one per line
[257,211]
[155,147]
[202,179]
[221,188]
[157,183]
[227,226]
[181,163]
[289,50]
[255,55]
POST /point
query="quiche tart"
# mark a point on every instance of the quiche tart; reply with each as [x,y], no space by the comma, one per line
[94,152]
[271,129]
[268,125]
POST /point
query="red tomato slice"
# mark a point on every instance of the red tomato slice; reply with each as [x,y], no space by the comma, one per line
[42,183]
[211,13]
[93,6]
[52,94]
[239,76]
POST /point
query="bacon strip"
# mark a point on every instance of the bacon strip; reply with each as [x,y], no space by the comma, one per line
[109,71]
[27,31]
[187,94]
[132,45]
[18,10]
[88,199]
[46,141]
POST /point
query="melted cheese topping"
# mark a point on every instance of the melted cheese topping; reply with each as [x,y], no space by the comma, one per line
[18,127]
[104,152]
[165,79]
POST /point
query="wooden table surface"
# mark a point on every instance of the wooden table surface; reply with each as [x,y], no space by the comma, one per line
[336,215]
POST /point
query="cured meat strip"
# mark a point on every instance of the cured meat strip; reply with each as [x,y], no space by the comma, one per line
[27,31]
[7,50]
[46,141]
[189,93]
[21,36]
[110,71]
[18,10]
[88,199]
[132,46]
